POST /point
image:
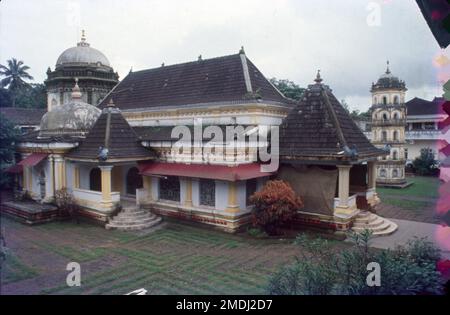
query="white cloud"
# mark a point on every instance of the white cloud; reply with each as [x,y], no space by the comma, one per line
[284,38]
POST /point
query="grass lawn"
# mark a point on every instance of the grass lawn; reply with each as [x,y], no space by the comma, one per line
[14,270]
[175,259]
[422,187]
[413,205]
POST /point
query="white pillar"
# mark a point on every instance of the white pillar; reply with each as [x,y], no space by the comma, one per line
[343,206]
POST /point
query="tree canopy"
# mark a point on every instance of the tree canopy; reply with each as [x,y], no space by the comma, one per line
[288,88]
[14,88]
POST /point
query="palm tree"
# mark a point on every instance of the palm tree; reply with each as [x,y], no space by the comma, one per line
[14,75]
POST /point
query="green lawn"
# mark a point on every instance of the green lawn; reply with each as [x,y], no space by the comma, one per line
[175,259]
[13,269]
[422,187]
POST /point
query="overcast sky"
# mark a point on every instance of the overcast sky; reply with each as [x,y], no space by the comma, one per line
[347,39]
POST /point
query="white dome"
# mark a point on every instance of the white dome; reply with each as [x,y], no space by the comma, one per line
[82,54]
[74,118]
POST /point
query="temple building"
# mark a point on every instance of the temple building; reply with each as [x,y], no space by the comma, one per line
[194,141]
[89,65]
[388,128]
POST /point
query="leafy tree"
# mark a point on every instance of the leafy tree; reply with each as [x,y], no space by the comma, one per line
[5,97]
[426,163]
[288,88]
[33,95]
[8,137]
[274,205]
[14,73]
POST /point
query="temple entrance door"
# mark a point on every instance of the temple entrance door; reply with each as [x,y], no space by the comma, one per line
[42,184]
[134,181]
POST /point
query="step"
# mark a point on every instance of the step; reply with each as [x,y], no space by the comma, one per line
[369,224]
[381,227]
[365,219]
[392,228]
[135,216]
[134,226]
[119,222]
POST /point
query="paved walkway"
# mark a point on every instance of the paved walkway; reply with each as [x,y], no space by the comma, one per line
[407,230]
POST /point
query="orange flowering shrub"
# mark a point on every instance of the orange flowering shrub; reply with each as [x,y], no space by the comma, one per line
[274,205]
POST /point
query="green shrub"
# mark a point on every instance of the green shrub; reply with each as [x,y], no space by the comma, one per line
[406,270]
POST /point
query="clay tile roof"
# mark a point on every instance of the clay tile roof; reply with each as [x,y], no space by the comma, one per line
[418,106]
[23,116]
[319,127]
[123,142]
[216,80]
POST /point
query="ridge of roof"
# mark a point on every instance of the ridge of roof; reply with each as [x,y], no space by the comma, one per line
[228,78]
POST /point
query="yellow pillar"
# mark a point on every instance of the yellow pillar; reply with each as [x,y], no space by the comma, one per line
[106,186]
[147,183]
[233,206]
[76,176]
[59,172]
[188,200]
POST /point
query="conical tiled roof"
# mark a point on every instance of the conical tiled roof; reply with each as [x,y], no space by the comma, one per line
[319,127]
[112,132]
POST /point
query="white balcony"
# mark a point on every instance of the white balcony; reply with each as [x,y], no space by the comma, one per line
[412,135]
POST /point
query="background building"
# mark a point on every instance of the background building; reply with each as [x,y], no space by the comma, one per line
[90,66]
[388,128]
[422,131]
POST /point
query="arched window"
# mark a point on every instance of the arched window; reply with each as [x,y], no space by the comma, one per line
[396,116]
[134,181]
[396,135]
[95,179]
[384,100]
[382,172]
[395,173]
[385,116]
[395,99]
[395,155]
[384,136]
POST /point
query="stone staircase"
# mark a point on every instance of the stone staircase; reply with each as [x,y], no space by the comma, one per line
[133,218]
[370,221]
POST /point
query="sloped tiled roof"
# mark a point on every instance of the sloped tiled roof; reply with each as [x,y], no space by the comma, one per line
[123,142]
[164,133]
[216,80]
[23,116]
[418,106]
[319,127]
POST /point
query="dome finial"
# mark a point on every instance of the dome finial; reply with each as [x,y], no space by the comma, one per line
[318,79]
[242,51]
[83,42]
[76,92]
[388,71]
